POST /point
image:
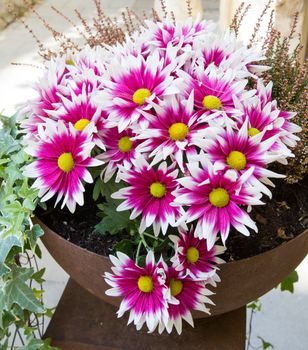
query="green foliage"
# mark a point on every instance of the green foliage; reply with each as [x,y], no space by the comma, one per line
[288,283]
[113,221]
[20,285]
[265,344]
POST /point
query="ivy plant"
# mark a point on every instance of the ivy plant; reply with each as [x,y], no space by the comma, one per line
[22,310]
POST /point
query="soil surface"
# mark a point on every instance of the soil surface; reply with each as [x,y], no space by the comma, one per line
[282,218]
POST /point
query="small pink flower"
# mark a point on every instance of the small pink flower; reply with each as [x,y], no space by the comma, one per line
[131,84]
[173,131]
[62,158]
[149,194]
[216,200]
[142,290]
[184,295]
[193,257]
[120,151]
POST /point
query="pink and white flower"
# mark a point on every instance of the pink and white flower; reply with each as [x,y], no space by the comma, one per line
[120,151]
[184,294]
[236,150]
[142,290]
[161,34]
[216,200]
[173,131]
[214,92]
[62,158]
[193,257]
[80,111]
[131,84]
[149,194]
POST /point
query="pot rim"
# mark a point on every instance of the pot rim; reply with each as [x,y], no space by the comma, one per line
[37,220]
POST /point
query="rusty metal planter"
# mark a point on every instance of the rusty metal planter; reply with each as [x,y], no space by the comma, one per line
[241,281]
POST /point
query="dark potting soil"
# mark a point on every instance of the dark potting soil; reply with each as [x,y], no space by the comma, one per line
[282,218]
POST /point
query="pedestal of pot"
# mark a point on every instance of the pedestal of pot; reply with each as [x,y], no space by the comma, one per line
[84,322]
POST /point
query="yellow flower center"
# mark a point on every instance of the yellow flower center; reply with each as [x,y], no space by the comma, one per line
[253,131]
[237,160]
[192,255]
[125,144]
[219,197]
[70,62]
[66,162]
[176,287]
[178,131]
[81,124]
[211,102]
[157,190]
[145,284]
[140,96]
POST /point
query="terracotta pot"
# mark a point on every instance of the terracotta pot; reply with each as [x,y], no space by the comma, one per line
[242,281]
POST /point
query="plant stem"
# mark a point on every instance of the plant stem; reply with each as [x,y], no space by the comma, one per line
[144,242]
[154,237]
[138,250]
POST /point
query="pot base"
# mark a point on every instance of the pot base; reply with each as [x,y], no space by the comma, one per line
[84,322]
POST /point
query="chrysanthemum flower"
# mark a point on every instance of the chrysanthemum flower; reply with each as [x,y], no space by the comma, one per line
[193,257]
[226,52]
[120,150]
[160,34]
[184,295]
[173,131]
[53,82]
[142,290]
[284,117]
[214,92]
[63,156]
[149,194]
[131,84]
[81,111]
[237,150]
[215,199]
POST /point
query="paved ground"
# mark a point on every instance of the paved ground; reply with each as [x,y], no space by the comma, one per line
[284,319]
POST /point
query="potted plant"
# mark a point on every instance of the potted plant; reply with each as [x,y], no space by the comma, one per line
[153,153]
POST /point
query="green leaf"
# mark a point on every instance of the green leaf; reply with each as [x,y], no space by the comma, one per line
[113,221]
[6,245]
[255,305]
[288,283]
[17,291]
[33,234]
[265,344]
[38,276]
[125,246]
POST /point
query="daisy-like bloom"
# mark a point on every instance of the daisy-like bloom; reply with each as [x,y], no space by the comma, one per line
[62,158]
[237,150]
[193,257]
[184,294]
[120,150]
[173,130]
[35,112]
[266,121]
[142,290]
[226,52]
[287,137]
[81,111]
[149,194]
[214,92]
[216,200]
[160,34]
[131,84]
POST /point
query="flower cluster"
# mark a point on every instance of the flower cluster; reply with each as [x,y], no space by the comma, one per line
[161,296]
[170,115]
